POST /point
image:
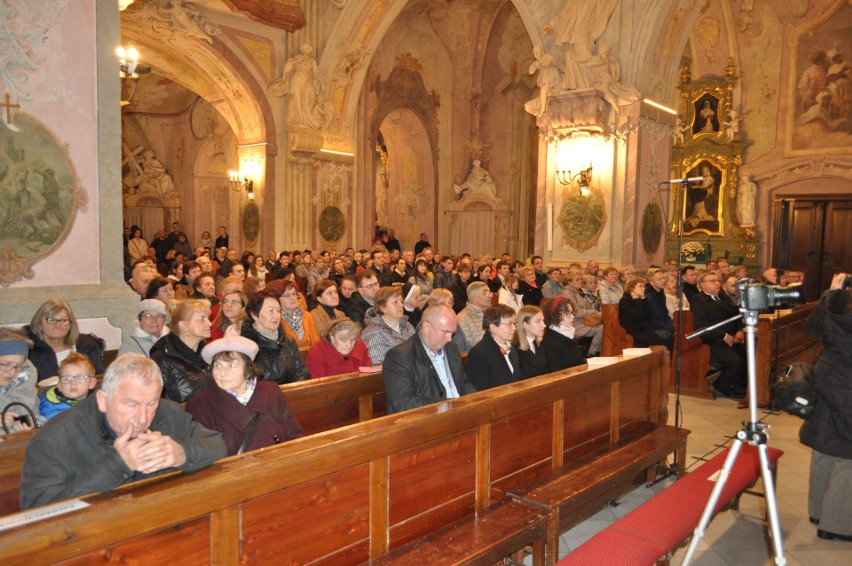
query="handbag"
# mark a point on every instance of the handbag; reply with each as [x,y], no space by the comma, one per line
[249,433]
[795,393]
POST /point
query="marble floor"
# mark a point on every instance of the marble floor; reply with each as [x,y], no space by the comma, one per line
[738,537]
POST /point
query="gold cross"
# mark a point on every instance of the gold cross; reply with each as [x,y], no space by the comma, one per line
[8,106]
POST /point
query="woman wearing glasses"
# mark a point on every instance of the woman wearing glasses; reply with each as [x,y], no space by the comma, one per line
[149,326]
[17,382]
[298,324]
[55,334]
[494,360]
[278,359]
[249,412]
[76,379]
[231,315]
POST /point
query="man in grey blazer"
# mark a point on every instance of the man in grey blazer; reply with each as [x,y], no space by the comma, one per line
[427,367]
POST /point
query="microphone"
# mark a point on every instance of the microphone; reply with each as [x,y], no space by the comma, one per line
[680,181]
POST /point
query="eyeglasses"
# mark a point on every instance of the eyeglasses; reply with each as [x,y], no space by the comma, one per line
[370,286]
[149,316]
[234,303]
[11,366]
[54,321]
[508,323]
[73,378]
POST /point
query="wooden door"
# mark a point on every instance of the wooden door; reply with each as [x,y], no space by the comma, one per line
[814,235]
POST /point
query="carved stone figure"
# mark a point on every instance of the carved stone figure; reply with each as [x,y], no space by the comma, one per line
[153,173]
[678,131]
[301,80]
[183,16]
[745,202]
[549,80]
[479,182]
[577,28]
[732,124]
[605,72]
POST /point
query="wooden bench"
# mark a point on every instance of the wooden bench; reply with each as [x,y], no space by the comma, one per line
[318,404]
[360,492]
[651,532]
[586,485]
[695,356]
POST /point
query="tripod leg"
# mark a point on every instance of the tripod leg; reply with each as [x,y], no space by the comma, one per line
[771,504]
[714,498]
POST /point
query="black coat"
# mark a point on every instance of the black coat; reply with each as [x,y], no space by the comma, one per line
[357,307]
[829,430]
[486,366]
[278,360]
[532,363]
[634,315]
[44,358]
[531,295]
[706,312]
[560,351]
[184,371]
[459,290]
[411,381]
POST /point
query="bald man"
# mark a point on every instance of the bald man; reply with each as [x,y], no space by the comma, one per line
[426,368]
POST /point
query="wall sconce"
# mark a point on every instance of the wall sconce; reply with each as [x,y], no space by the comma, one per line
[238,184]
[129,70]
[583,178]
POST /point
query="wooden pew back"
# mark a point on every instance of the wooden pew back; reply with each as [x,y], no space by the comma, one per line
[348,494]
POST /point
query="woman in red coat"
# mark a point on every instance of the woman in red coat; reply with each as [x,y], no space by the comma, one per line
[249,412]
[341,351]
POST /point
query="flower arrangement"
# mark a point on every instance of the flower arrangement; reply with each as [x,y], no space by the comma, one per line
[692,249]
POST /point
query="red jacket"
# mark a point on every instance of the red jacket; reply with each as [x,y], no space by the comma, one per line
[324,360]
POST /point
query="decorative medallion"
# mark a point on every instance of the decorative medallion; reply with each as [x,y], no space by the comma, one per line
[332,224]
[582,217]
[39,197]
[652,227]
[251,221]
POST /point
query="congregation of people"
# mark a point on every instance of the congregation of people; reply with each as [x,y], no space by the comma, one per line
[218,330]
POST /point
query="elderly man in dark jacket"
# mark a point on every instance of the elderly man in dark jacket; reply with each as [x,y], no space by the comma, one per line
[123,433]
[427,367]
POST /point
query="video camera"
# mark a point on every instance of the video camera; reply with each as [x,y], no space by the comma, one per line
[755,297]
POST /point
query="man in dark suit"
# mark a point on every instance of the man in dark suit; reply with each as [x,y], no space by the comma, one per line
[494,361]
[727,352]
[689,276]
[426,368]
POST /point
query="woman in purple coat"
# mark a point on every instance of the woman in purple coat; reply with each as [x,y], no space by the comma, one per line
[249,412]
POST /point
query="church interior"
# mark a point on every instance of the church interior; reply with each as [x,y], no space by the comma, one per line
[571,130]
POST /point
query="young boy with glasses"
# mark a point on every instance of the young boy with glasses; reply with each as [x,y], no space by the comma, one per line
[76,378]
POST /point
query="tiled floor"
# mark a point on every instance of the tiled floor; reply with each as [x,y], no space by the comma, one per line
[738,537]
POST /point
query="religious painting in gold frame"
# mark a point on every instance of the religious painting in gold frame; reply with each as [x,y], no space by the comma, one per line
[703,201]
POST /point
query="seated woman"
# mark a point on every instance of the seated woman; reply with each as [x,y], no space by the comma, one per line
[162,289]
[385,322]
[587,320]
[55,334]
[529,289]
[76,379]
[149,326]
[509,295]
[249,413]
[634,314]
[204,287]
[297,323]
[553,286]
[178,353]
[560,349]
[340,351]
[231,315]
[493,360]
[530,326]
[671,295]
[279,359]
[326,312]
[17,382]
[421,278]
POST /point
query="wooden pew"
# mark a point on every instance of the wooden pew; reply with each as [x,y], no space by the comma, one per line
[695,356]
[781,340]
[351,494]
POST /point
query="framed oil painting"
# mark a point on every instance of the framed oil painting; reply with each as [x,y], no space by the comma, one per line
[703,201]
[820,120]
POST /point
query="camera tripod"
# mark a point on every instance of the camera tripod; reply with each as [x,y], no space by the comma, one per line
[753,433]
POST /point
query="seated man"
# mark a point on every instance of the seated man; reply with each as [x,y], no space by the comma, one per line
[427,367]
[123,433]
[727,351]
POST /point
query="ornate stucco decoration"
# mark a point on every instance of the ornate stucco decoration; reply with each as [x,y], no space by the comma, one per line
[412,200]
[179,18]
[15,61]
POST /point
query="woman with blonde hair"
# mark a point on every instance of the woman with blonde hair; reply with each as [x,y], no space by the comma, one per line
[178,353]
[55,334]
[530,329]
[340,351]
